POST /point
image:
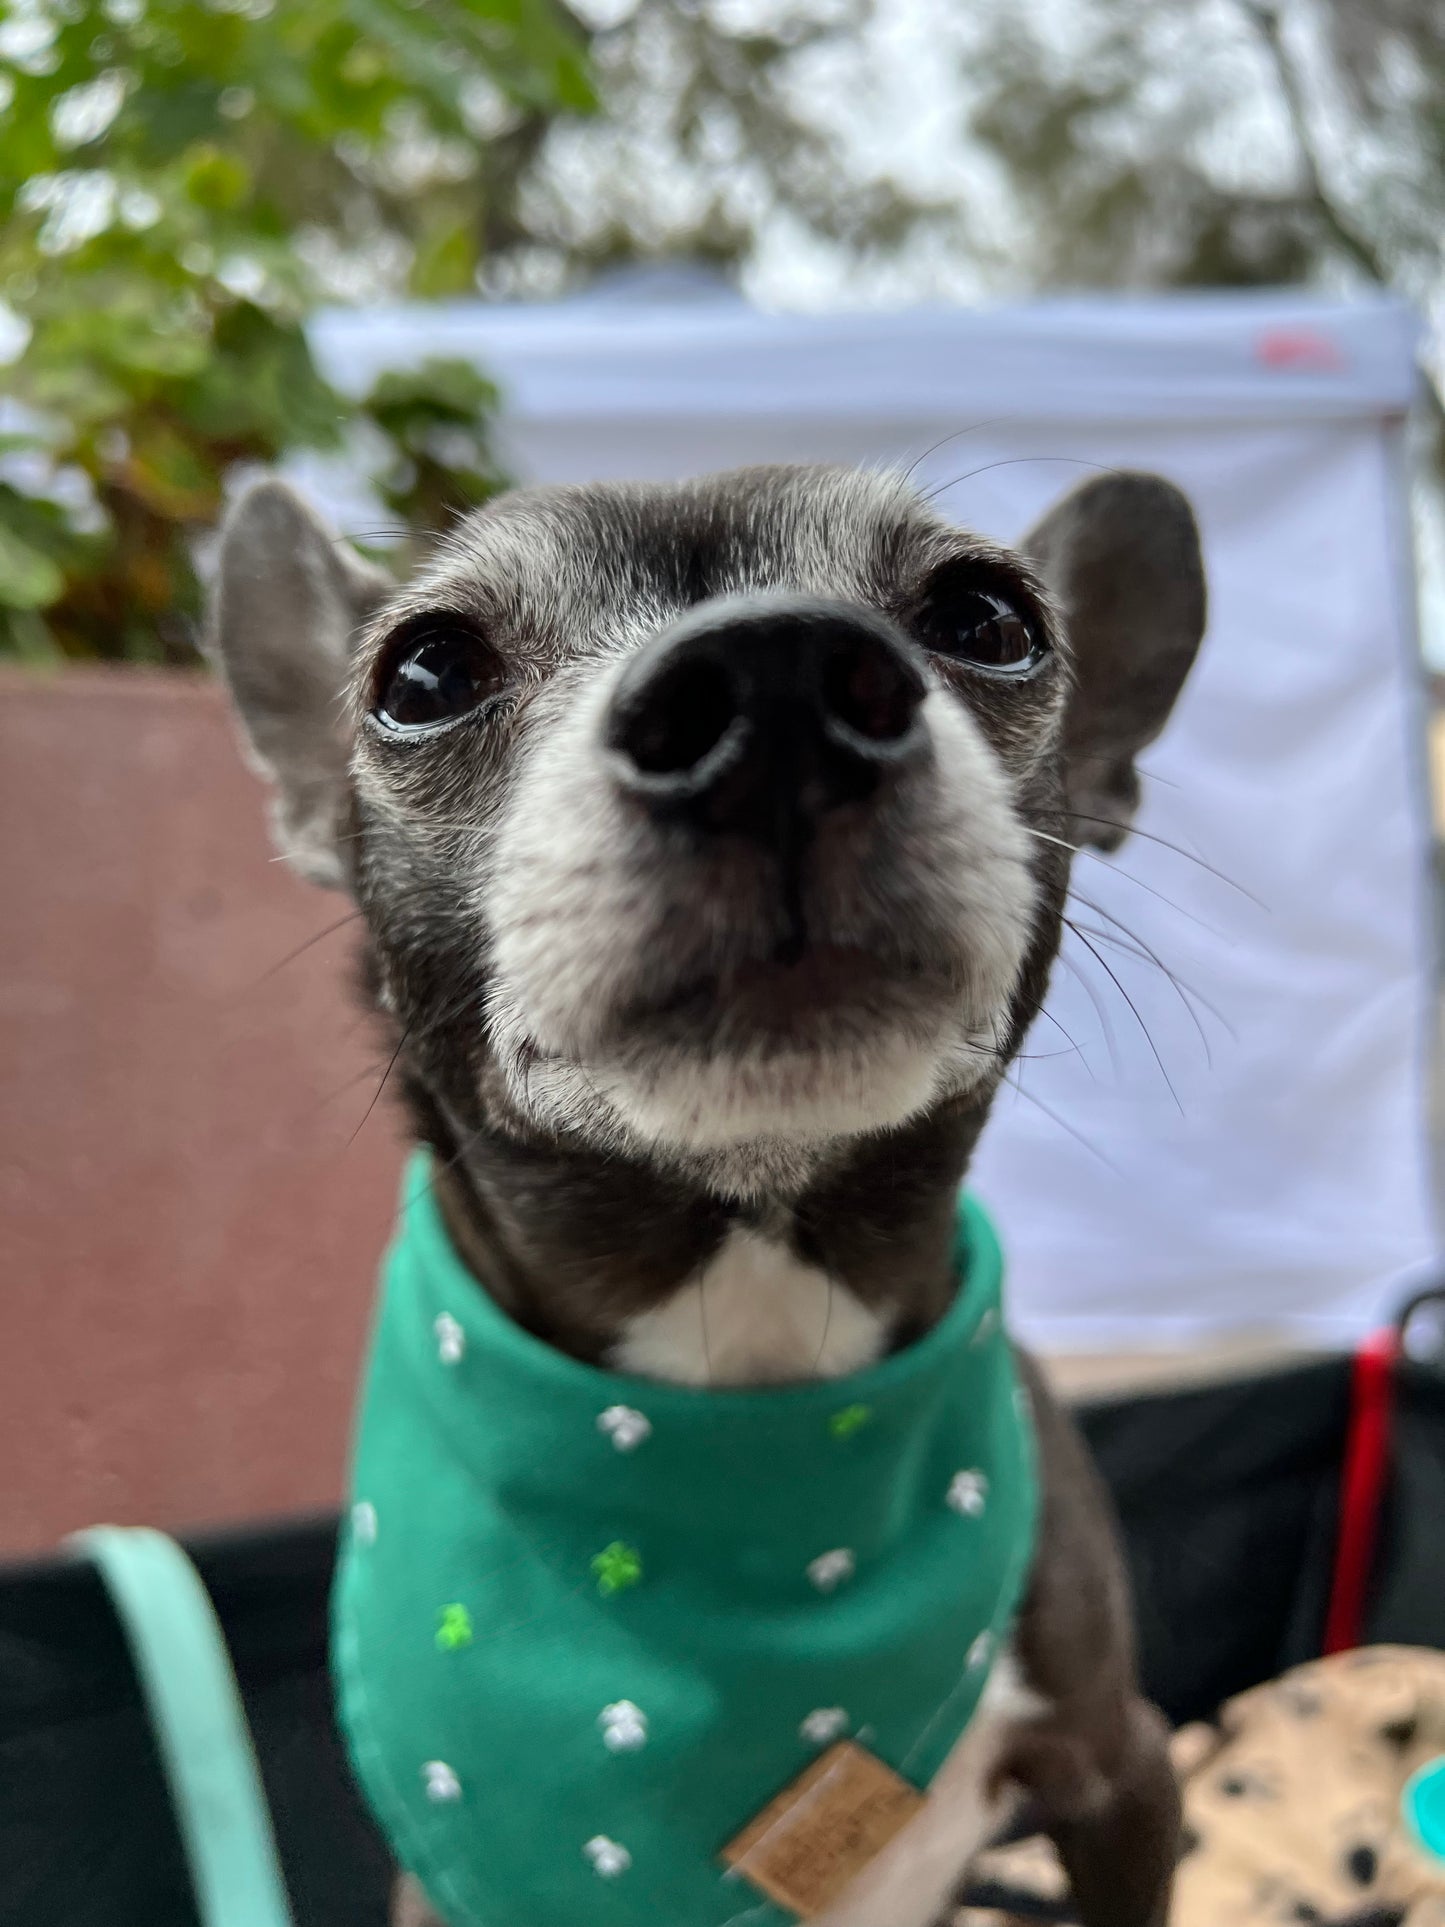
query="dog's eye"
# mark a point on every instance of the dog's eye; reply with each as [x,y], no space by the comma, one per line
[436,677]
[984,629]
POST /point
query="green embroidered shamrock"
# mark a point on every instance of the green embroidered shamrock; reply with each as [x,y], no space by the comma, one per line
[851,1419]
[617,1567]
[455,1630]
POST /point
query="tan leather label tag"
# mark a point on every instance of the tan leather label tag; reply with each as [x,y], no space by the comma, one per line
[805,1846]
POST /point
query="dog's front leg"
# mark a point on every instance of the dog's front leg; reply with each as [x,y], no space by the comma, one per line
[1096,1761]
[1120,1855]
[1113,1820]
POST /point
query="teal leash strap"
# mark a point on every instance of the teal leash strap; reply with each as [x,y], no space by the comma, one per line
[199,1722]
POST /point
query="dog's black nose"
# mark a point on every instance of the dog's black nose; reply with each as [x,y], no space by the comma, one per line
[753,711]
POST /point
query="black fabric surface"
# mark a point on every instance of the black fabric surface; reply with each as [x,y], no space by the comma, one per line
[87,1838]
[1408,1595]
[1227,1497]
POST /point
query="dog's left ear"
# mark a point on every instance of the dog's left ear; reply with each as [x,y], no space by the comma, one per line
[1121,558]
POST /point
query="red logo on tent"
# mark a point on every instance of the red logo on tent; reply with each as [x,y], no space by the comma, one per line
[1301,348]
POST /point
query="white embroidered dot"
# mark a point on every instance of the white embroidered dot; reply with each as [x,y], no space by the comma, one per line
[609,1858]
[440,1781]
[624,1727]
[625,1426]
[984,1330]
[980,1652]
[830,1569]
[451,1339]
[823,1724]
[363,1523]
[968,1493]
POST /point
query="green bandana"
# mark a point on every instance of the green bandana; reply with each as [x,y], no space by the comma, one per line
[586,1626]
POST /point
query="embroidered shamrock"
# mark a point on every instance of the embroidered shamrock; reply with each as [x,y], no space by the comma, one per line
[625,1426]
[824,1724]
[608,1857]
[624,1727]
[851,1419]
[617,1567]
[830,1569]
[455,1630]
[968,1493]
[451,1339]
[440,1781]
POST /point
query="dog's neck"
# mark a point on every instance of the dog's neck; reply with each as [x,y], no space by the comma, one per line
[622,1265]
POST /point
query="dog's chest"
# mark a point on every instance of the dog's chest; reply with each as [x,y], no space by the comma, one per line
[756,1315]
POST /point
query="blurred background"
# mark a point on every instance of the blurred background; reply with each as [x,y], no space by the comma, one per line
[412,251]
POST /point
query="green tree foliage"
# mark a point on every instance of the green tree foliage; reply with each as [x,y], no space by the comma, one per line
[181,181]
[726,123]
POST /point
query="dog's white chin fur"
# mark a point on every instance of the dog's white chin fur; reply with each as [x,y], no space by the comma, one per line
[749,1124]
[692,1101]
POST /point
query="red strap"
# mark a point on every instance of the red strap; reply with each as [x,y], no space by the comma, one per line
[1362,1487]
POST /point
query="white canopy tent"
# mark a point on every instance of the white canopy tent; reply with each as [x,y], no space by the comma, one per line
[1258,1162]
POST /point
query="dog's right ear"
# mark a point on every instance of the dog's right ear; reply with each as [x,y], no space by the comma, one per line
[290,598]
[1121,557]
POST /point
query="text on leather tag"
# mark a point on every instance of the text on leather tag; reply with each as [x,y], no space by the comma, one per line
[808,1844]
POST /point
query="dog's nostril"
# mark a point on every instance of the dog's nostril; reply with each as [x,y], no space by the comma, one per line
[685,712]
[872,691]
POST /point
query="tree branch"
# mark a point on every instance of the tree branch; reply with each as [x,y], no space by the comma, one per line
[1351,239]
[1361,250]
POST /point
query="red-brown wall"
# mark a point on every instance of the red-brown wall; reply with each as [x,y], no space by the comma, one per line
[188,1231]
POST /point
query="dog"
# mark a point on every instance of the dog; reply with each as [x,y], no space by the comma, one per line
[711,843]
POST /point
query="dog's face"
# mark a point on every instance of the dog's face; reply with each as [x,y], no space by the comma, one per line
[711,824]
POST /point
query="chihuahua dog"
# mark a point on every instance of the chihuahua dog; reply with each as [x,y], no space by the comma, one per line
[711,844]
